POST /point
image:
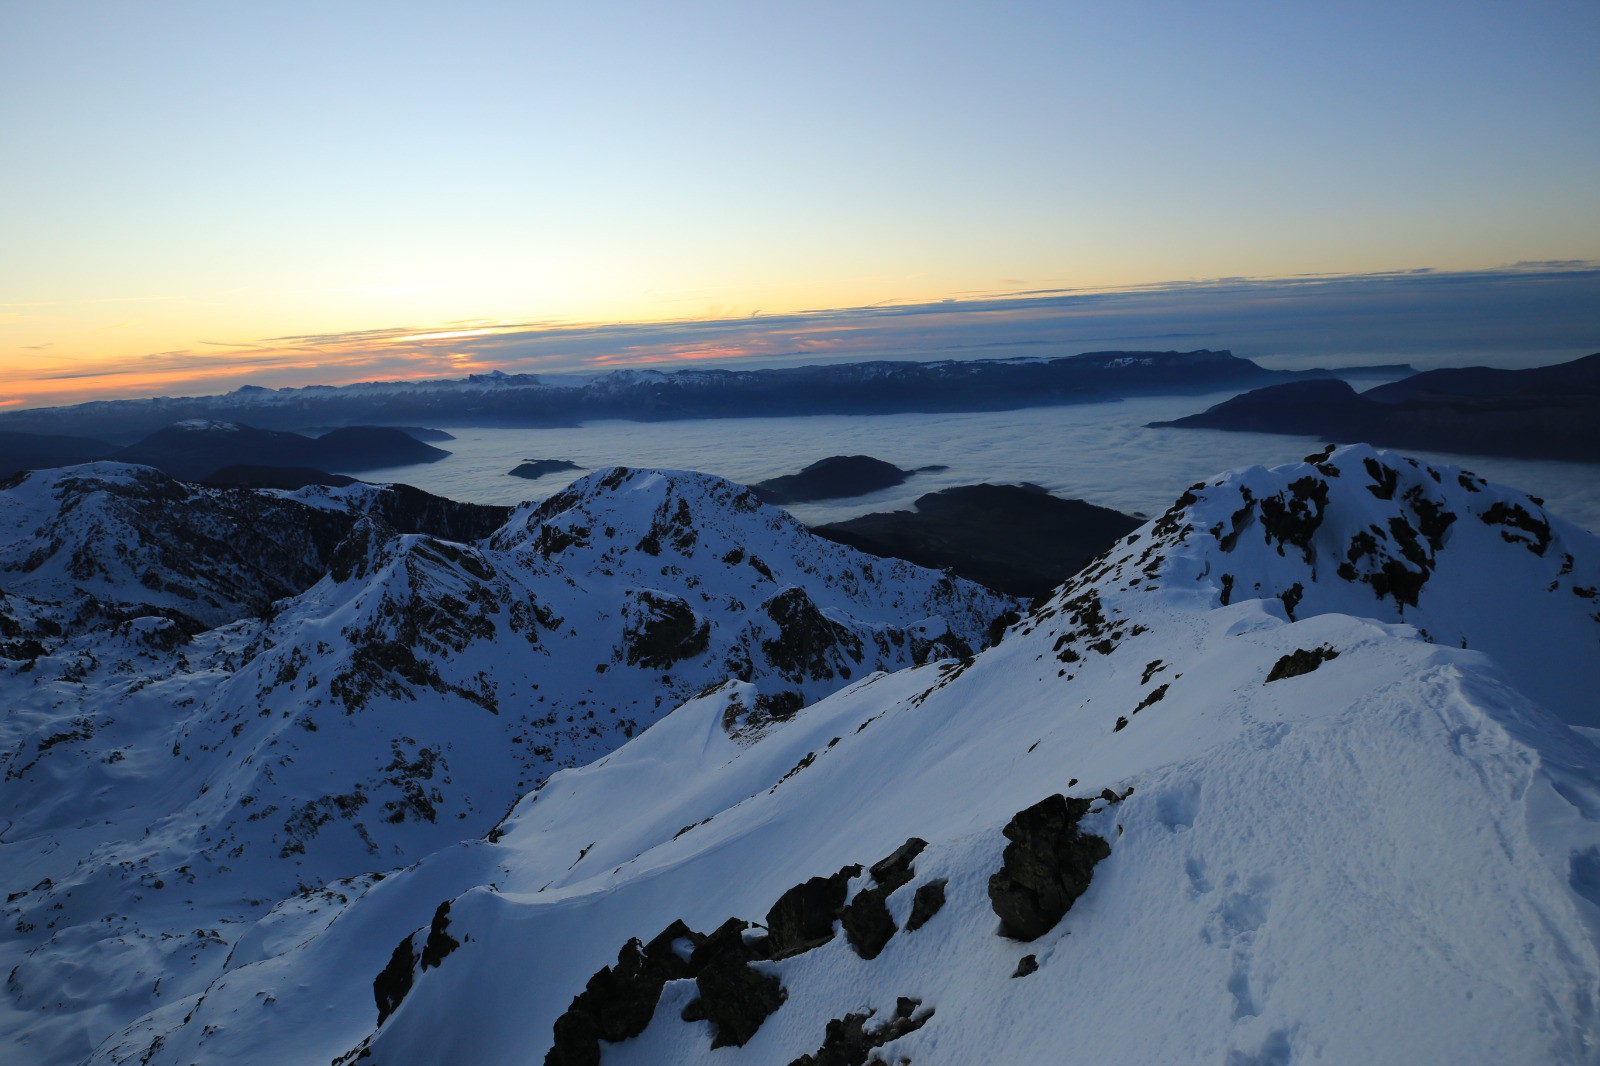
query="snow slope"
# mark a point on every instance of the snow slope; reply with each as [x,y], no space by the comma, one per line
[161,791]
[1343,842]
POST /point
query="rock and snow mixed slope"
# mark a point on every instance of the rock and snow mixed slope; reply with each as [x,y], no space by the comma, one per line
[163,786]
[1296,830]
[96,545]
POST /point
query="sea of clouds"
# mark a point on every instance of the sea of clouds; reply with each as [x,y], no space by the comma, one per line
[1101,452]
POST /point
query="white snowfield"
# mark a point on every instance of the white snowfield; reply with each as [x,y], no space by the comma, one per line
[1352,698]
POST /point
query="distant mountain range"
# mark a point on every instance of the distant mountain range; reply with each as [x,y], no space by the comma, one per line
[1547,412]
[196,449]
[650,395]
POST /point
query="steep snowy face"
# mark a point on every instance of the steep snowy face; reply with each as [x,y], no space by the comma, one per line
[1156,823]
[159,794]
[1374,534]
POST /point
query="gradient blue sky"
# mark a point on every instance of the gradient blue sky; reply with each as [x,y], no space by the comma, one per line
[185,184]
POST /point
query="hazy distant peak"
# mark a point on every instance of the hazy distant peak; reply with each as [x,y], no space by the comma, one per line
[206,425]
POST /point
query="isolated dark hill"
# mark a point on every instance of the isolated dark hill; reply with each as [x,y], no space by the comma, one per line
[40,451]
[1016,539]
[537,468]
[371,447]
[834,478]
[1548,412]
[1315,407]
[192,450]
[1579,375]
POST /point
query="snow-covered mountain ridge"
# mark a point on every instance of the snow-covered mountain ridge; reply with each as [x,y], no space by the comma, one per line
[1326,837]
[164,785]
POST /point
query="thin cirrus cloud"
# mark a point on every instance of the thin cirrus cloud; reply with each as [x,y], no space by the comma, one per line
[1521,315]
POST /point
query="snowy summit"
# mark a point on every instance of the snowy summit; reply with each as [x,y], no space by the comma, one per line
[1302,770]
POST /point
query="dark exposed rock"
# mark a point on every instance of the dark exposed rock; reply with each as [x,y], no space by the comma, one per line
[848,1041]
[740,721]
[1026,965]
[945,646]
[867,923]
[896,869]
[439,943]
[1301,661]
[577,1041]
[1291,598]
[735,997]
[998,627]
[1238,521]
[411,510]
[1047,866]
[394,980]
[803,917]
[662,630]
[1154,696]
[1293,517]
[807,643]
[358,554]
[1515,517]
[619,1001]
[1384,479]
[928,901]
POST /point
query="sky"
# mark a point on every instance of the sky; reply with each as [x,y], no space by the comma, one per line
[195,196]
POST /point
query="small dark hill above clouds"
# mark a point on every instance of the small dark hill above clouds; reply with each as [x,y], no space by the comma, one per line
[1577,376]
[837,477]
[194,449]
[1549,412]
[538,468]
[1016,539]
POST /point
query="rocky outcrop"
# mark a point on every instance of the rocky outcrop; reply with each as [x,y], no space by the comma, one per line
[849,1041]
[1047,866]
[804,916]
[734,993]
[1300,661]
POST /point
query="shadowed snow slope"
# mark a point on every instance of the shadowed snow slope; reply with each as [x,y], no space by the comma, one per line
[161,791]
[1322,837]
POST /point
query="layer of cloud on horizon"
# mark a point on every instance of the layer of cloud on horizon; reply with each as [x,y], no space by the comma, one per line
[1523,315]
